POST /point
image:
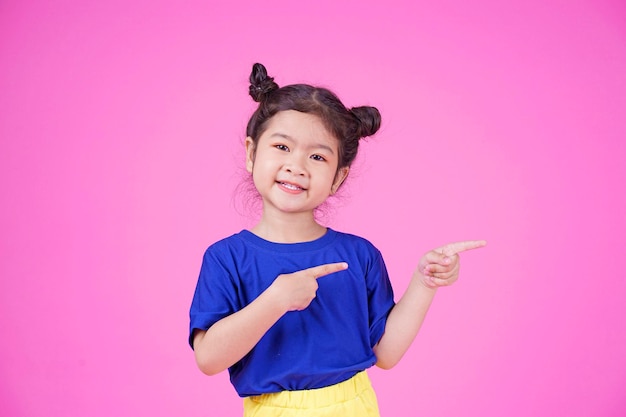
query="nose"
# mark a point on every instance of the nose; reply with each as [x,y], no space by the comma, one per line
[295,165]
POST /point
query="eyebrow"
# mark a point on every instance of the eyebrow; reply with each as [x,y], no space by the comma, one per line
[316,146]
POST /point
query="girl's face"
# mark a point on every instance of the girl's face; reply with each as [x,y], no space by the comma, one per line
[294,164]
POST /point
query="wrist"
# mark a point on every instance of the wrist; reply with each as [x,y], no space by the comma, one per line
[424,281]
[275,300]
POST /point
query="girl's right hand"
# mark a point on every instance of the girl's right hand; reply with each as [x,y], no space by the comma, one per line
[295,291]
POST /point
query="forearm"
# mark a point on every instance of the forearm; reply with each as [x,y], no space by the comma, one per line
[231,338]
[403,323]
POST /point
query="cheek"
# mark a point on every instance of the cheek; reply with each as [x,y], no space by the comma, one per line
[261,171]
[328,177]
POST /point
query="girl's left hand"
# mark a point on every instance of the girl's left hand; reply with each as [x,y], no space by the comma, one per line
[440,267]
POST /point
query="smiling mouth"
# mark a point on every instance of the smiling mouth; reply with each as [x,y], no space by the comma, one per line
[291,186]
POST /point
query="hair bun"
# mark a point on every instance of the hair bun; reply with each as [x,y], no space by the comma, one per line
[260,84]
[369,120]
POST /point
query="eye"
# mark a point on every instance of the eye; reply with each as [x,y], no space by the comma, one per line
[318,158]
[282,147]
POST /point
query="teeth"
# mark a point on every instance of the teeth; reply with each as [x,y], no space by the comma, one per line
[290,186]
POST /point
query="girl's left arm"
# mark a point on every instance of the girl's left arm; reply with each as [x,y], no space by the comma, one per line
[437,268]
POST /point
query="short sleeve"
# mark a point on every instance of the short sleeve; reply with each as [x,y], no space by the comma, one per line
[215,296]
[380,298]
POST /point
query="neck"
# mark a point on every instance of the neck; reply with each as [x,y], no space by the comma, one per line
[288,228]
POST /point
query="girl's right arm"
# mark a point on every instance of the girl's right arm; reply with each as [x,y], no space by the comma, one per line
[231,338]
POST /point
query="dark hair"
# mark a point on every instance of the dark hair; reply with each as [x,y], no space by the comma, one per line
[347,125]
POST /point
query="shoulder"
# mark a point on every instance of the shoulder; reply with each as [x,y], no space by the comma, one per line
[226,247]
[231,240]
[363,257]
[224,257]
[357,242]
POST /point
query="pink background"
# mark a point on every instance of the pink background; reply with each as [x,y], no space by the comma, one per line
[121,127]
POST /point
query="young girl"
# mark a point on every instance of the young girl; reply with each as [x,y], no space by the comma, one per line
[294,310]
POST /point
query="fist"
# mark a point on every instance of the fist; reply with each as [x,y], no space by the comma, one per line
[297,290]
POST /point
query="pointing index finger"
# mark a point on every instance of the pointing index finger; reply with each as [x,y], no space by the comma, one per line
[453,248]
[323,270]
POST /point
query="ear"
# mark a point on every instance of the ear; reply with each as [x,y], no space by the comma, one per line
[342,174]
[250,148]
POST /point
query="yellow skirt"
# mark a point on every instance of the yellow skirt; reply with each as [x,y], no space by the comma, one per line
[352,398]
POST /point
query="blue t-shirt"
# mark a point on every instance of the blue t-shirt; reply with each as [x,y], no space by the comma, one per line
[328,342]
